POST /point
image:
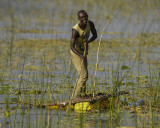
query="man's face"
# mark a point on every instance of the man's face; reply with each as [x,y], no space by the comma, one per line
[83,18]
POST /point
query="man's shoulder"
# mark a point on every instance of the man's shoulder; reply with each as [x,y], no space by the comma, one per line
[91,23]
[76,27]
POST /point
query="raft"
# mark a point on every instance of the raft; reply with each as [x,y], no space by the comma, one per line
[100,102]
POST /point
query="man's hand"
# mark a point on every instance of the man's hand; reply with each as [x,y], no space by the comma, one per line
[82,57]
[85,44]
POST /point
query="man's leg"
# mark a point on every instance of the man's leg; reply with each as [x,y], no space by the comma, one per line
[83,74]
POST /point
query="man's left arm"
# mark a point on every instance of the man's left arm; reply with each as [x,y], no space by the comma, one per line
[93,31]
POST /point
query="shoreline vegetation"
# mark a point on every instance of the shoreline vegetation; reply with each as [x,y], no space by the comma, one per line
[37,71]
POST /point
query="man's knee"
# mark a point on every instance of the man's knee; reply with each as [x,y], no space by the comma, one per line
[84,77]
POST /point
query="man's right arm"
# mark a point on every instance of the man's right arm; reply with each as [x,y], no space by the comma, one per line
[75,35]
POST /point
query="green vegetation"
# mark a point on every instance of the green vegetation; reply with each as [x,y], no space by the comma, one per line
[37,69]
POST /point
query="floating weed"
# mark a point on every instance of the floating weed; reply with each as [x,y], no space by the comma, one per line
[131,76]
[125,67]
[131,83]
[101,69]
[142,79]
[1,92]
[38,66]
[5,87]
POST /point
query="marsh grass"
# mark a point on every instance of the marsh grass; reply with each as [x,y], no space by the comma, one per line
[37,79]
[38,71]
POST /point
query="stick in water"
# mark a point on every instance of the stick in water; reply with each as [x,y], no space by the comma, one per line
[109,19]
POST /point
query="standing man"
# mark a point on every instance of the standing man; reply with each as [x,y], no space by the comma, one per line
[79,49]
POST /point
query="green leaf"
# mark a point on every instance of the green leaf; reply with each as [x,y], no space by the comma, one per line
[142,77]
[124,67]
[101,69]
[14,99]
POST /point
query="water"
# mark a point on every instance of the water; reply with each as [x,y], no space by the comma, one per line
[40,64]
[48,15]
[39,74]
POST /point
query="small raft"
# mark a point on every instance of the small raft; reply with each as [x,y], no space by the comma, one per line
[100,102]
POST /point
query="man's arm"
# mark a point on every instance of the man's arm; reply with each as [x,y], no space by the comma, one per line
[75,35]
[93,31]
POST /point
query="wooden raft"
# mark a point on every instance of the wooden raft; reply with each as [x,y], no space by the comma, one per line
[100,101]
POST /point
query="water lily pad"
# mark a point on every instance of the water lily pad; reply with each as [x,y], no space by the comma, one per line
[132,76]
[124,67]
[6,113]
[142,77]
[36,92]
[101,69]
[14,99]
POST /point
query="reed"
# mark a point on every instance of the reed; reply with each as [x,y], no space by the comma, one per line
[35,70]
[98,54]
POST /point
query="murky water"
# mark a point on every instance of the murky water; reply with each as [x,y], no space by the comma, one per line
[38,16]
[40,64]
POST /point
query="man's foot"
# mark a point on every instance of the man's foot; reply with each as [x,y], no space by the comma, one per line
[85,96]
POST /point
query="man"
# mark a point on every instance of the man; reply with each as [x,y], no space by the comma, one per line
[79,49]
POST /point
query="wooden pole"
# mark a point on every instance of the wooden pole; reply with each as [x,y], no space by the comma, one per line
[98,54]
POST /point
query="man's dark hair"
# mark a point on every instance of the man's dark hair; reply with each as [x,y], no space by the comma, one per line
[81,11]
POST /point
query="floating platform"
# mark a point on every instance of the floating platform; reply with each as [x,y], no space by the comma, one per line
[100,102]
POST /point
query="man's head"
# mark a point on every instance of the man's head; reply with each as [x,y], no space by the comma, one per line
[82,16]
